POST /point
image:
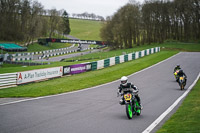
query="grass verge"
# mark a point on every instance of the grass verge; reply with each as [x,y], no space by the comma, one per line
[84,80]
[187,117]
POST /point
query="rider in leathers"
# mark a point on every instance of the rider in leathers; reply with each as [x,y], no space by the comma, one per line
[182,74]
[124,84]
[177,68]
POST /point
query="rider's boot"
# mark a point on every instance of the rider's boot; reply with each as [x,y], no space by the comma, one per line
[141,107]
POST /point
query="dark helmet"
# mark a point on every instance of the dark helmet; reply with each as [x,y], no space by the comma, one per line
[178,65]
[181,71]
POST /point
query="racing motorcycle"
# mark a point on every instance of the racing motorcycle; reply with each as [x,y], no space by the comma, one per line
[182,82]
[131,104]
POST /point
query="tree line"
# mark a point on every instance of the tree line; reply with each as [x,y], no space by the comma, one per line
[27,20]
[87,15]
[153,22]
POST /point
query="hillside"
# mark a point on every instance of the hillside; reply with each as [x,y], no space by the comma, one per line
[85,29]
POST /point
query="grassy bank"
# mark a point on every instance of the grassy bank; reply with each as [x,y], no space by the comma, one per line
[85,29]
[84,80]
[187,117]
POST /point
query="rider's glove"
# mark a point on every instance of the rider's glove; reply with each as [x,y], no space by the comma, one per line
[135,92]
[119,94]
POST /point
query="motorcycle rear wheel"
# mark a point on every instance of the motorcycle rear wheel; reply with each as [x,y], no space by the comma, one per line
[138,110]
[182,87]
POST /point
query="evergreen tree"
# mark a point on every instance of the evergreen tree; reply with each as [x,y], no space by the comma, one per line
[66,25]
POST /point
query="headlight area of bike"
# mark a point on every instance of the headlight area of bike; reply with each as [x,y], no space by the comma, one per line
[128,97]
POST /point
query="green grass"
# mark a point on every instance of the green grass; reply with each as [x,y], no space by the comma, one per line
[187,117]
[84,80]
[85,29]
[180,46]
[10,66]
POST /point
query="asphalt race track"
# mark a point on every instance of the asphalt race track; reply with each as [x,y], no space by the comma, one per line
[96,110]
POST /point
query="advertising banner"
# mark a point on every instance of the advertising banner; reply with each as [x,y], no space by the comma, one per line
[40,74]
[44,41]
[78,68]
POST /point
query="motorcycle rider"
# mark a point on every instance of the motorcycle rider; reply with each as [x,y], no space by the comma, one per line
[177,68]
[175,73]
[124,84]
[182,74]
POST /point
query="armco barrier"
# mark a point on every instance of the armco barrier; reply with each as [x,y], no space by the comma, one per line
[106,62]
[112,61]
[125,58]
[8,79]
[133,56]
[122,58]
[94,65]
[117,60]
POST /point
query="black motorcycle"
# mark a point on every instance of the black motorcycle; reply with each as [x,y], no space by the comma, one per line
[182,82]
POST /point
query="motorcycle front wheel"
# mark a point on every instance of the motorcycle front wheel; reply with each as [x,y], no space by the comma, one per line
[129,112]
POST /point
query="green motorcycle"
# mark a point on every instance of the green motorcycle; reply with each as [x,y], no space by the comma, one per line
[132,105]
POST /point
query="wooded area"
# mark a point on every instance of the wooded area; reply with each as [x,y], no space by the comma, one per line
[26,20]
[153,22]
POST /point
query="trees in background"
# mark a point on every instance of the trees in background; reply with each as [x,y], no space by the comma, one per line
[26,20]
[87,15]
[66,24]
[154,21]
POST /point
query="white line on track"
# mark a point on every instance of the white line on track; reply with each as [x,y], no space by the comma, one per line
[163,115]
[24,100]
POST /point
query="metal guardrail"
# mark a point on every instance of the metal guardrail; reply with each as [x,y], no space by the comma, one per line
[8,79]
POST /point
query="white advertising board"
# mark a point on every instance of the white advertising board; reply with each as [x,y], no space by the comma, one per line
[40,74]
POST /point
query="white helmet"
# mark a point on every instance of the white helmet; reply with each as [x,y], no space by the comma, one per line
[124,80]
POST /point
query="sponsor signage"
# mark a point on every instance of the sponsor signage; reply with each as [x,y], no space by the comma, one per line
[44,41]
[78,41]
[78,68]
[40,74]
